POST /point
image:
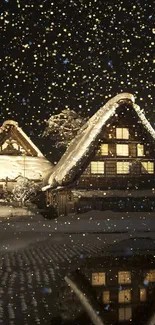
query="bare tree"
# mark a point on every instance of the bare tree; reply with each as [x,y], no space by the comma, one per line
[24,190]
[63,127]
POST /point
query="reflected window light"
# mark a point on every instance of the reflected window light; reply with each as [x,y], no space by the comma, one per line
[98,278]
[124,296]
[106,297]
[142,294]
[150,276]
[124,277]
[125,314]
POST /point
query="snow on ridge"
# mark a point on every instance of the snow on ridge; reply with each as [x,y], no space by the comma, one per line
[80,146]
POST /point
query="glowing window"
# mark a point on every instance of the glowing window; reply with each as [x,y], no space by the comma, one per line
[98,279]
[123,167]
[104,149]
[140,150]
[147,167]
[125,314]
[97,167]
[124,277]
[122,133]
[143,294]
[124,296]
[106,297]
[150,276]
[122,149]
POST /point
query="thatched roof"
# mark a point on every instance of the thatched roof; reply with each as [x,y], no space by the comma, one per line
[81,147]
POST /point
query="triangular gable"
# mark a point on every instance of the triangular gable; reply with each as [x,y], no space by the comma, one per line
[80,148]
[10,132]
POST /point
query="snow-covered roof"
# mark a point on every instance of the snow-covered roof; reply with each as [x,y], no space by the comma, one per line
[80,147]
[5,128]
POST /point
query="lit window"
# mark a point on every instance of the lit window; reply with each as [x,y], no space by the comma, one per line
[147,167]
[122,149]
[140,150]
[143,294]
[98,279]
[150,276]
[122,167]
[106,297]
[125,314]
[124,296]
[97,167]
[124,277]
[122,133]
[104,149]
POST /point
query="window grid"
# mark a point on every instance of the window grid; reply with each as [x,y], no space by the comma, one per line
[124,277]
[125,314]
[98,278]
[123,167]
[124,296]
[122,149]
[104,149]
[140,150]
[143,294]
[97,167]
[147,167]
[150,276]
[122,133]
[106,297]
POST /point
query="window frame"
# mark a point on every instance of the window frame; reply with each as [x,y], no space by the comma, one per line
[125,293]
[122,311]
[122,171]
[121,145]
[127,274]
[98,172]
[143,154]
[98,275]
[123,130]
[107,149]
[147,171]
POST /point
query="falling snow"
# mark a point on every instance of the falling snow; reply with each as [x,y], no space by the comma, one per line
[74,53]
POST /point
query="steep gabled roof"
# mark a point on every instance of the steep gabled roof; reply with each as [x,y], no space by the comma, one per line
[11,128]
[81,147]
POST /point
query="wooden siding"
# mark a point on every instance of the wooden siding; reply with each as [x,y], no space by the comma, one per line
[127,118]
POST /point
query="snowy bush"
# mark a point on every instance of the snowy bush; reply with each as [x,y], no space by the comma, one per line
[63,127]
[24,190]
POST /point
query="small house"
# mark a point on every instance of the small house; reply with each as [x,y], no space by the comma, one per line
[19,156]
[110,165]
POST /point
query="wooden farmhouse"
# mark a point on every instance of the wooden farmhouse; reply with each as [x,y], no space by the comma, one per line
[109,165]
[19,157]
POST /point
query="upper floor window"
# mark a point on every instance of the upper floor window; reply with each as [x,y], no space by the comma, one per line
[122,133]
[104,149]
[124,277]
[122,149]
[140,150]
[98,278]
[123,167]
[147,167]
[97,167]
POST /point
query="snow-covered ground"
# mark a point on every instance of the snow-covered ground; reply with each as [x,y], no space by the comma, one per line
[23,219]
[10,211]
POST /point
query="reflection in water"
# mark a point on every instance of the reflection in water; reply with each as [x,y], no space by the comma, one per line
[122,289]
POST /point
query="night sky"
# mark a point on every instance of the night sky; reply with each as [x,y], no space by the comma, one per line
[76,54]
